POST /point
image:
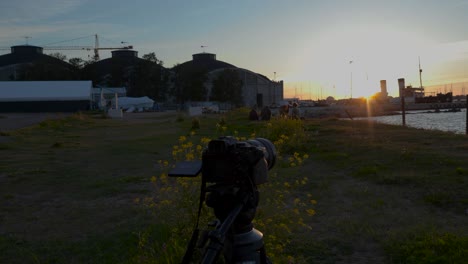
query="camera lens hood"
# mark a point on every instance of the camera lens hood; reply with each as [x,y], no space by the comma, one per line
[270,153]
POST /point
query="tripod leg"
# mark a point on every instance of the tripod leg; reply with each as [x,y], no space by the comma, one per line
[263,257]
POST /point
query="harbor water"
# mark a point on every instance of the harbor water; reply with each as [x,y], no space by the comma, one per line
[444,121]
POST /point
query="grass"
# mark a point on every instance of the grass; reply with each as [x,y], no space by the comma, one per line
[428,247]
[89,190]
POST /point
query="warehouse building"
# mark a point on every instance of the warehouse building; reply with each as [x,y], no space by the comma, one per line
[257,89]
[140,77]
[27,62]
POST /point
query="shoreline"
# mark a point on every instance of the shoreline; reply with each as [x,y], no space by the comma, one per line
[373,110]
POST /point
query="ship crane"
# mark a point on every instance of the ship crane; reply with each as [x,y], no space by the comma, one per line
[96,48]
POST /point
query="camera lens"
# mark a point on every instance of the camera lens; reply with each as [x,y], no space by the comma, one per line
[270,150]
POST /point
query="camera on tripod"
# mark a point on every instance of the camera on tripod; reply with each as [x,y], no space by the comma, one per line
[229,161]
[233,169]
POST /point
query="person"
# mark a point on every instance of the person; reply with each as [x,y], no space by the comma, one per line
[253,114]
[295,112]
[284,110]
[265,114]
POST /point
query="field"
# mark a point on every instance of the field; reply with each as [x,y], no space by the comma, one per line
[86,189]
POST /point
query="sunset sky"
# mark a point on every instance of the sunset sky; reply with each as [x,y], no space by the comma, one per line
[308,43]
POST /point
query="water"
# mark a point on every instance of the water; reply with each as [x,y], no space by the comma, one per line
[444,121]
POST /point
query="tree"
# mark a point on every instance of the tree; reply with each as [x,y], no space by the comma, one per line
[59,56]
[152,58]
[78,63]
[227,87]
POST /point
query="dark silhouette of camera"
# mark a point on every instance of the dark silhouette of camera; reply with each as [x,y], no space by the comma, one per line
[233,169]
[229,161]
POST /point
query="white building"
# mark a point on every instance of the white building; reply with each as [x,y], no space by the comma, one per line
[45,96]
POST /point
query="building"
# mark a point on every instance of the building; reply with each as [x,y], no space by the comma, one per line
[45,96]
[26,62]
[412,94]
[187,82]
[257,89]
[140,77]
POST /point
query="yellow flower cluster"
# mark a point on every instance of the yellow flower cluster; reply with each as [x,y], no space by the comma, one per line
[296,159]
[221,129]
[186,150]
[284,209]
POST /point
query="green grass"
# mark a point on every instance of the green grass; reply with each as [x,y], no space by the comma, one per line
[84,189]
[428,247]
[89,250]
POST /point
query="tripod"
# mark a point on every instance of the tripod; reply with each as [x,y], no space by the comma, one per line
[234,234]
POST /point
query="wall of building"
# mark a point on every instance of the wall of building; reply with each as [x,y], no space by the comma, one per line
[8,73]
[45,96]
[44,106]
[257,90]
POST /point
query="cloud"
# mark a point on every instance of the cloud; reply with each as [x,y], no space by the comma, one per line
[24,11]
[47,33]
[446,52]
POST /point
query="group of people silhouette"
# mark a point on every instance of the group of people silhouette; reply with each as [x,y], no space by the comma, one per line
[285,111]
[265,113]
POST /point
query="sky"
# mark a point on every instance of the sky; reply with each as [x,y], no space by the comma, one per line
[318,48]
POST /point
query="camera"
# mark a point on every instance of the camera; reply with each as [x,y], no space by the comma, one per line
[234,169]
[229,161]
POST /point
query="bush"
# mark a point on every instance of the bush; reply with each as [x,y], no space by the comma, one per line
[288,135]
[195,124]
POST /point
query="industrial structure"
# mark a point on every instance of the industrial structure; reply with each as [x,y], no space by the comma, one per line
[27,70]
[140,77]
[257,89]
[14,66]
[96,48]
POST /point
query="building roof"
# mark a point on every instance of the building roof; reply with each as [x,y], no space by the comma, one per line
[206,62]
[27,54]
[120,59]
[111,90]
[19,91]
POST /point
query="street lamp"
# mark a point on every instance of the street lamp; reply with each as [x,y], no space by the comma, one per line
[351,80]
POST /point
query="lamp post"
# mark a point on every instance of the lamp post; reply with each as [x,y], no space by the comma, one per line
[351,80]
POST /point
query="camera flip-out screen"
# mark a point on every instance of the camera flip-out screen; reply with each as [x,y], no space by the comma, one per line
[186,169]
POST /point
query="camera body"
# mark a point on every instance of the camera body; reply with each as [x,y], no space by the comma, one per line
[229,161]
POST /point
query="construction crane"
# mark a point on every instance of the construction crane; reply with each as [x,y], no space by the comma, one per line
[96,47]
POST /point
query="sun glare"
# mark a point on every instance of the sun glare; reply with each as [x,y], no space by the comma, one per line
[354,60]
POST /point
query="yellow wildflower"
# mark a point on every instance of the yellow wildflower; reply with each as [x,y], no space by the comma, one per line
[311,212]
